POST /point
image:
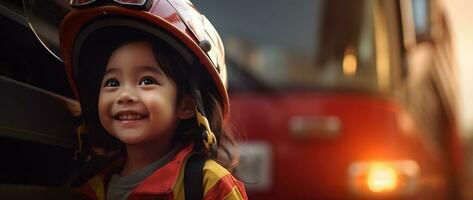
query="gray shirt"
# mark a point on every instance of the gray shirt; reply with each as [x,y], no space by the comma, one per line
[119,187]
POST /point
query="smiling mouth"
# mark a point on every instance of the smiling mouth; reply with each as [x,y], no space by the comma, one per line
[129,115]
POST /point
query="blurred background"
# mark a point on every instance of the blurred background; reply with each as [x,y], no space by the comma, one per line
[460,16]
[332,99]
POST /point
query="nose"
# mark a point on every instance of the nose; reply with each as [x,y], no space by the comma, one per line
[127,97]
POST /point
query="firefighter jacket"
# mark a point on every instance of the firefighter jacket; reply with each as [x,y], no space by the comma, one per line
[167,182]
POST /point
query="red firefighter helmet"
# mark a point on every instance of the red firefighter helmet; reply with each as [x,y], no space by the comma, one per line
[176,22]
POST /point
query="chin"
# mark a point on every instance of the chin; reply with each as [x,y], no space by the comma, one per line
[131,141]
[131,138]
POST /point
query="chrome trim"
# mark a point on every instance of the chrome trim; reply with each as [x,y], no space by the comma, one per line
[303,127]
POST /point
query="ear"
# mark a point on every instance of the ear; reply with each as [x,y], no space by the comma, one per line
[186,107]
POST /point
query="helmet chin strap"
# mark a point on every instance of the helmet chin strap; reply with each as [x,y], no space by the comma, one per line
[208,137]
[80,153]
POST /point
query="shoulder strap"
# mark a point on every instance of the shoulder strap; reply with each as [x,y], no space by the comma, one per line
[194,177]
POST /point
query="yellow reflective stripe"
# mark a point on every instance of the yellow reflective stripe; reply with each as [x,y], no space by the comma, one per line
[178,189]
[234,194]
[213,172]
[96,183]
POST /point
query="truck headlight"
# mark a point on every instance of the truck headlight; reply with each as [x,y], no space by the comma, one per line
[386,178]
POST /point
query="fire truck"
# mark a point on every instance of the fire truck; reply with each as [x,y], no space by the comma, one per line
[332,99]
[37,114]
[342,99]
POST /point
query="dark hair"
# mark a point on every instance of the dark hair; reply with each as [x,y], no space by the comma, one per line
[176,68]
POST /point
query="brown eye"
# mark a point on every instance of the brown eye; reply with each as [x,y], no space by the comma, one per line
[111,83]
[148,81]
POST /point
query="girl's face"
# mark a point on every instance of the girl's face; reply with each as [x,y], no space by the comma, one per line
[137,101]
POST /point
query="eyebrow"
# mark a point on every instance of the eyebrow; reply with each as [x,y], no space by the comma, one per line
[111,70]
[154,69]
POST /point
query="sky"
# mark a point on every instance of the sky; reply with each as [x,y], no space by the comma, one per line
[460,14]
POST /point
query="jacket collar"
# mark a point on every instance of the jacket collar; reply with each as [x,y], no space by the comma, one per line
[161,181]
[166,176]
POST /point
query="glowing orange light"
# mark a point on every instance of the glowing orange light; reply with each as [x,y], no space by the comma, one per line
[349,64]
[382,178]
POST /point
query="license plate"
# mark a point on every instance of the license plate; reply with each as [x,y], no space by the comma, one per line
[255,168]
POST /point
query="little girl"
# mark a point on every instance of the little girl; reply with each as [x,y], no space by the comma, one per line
[151,80]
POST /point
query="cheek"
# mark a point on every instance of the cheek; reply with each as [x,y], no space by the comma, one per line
[160,105]
[103,108]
